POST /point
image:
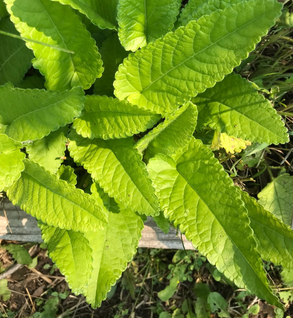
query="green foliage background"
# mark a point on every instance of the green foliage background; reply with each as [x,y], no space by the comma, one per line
[126,122]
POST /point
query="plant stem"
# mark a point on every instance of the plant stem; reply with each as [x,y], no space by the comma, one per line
[285,114]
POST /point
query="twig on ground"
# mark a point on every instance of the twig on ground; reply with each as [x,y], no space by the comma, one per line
[10,271]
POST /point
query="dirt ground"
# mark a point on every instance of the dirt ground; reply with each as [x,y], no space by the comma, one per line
[41,291]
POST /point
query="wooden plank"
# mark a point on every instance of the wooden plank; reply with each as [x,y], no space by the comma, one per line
[17,225]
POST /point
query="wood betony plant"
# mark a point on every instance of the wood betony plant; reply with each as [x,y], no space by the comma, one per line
[121,88]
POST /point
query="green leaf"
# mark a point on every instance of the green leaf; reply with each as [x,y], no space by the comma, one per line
[11,161]
[222,140]
[254,309]
[232,144]
[170,71]
[34,81]
[98,34]
[216,302]
[141,22]
[15,57]
[108,118]
[108,202]
[202,309]
[287,276]
[113,54]
[67,174]
[286,296]
[253,154]
[101,13]
[111,253]
[43,20]
[275,239]
[4,290]
[54,201]
[235,107]
[202,290]
[165,314]
[118,168]
[162,222]
[195,9]
[174,133]
[71,252]
[169,291]
[48,151]
[199,197]
[34,263]
[38,112]
[50,307]
[277,198]
[19,253]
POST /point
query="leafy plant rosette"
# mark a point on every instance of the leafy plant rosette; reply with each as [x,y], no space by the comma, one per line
[125,84]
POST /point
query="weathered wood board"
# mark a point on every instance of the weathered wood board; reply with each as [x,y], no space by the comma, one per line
[17,225]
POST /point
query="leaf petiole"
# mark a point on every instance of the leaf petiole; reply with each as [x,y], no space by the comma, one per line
[35,41]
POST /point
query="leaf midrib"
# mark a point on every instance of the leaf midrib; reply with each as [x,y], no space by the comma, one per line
[111,150]
[232,241]
[199,52]
[30,113]
[62,38]
[134,182]
[231,110]
[102,261]
[11,56]
[156,132]
[114,113]
[45,187]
